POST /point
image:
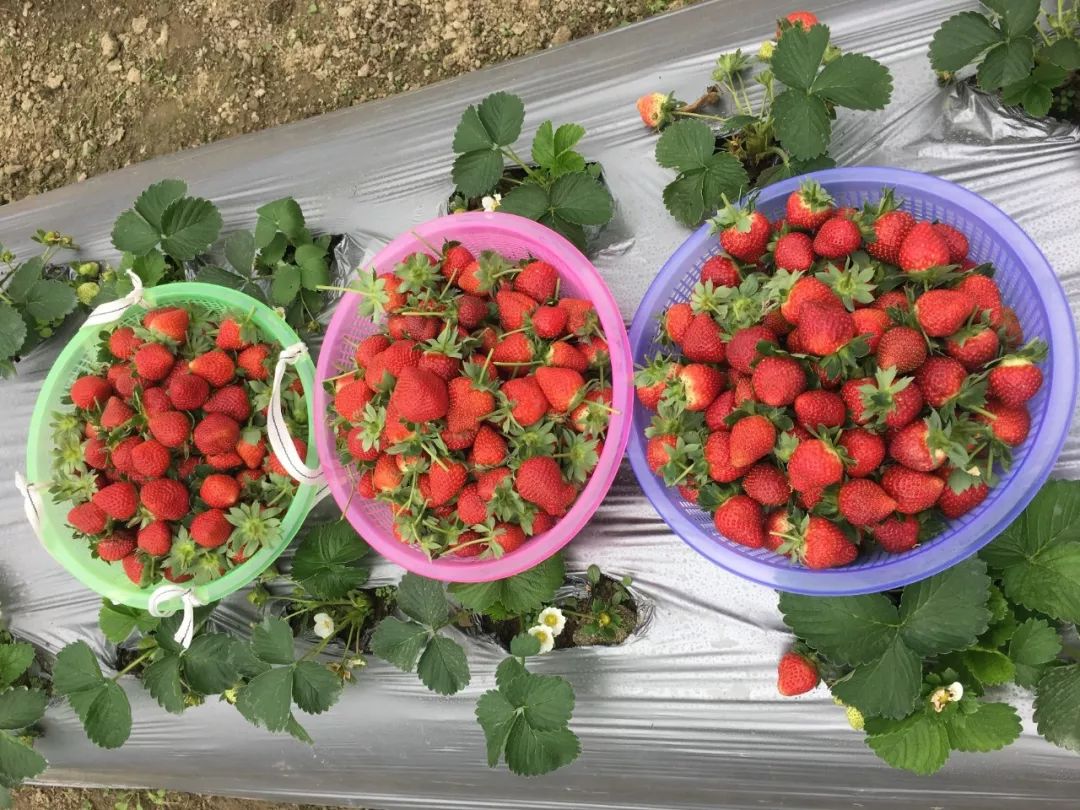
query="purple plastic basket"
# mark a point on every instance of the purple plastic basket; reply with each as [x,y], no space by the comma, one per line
[1028,284]
[515,238]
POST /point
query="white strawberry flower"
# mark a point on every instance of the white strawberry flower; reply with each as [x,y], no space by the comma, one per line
[491,202]
[324,625]
[955,690]
[553,618]
[544,635]
[944,695]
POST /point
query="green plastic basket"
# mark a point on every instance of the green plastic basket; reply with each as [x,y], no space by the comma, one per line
[110,580]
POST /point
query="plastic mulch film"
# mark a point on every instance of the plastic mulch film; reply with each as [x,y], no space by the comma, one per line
[686,714]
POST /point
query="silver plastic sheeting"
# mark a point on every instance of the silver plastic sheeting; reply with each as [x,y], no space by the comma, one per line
[686,714]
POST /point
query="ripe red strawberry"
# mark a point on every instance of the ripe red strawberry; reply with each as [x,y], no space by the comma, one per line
[743,387]
[486,482]
[165,499]
[818,409]
[596,351]
[744,234]
[922,249]
[471,508]
[95,454]
[700,385]
[514,308]
[354,442]
[582,315]
[955,241]
[171,428]
[807,288]
[89,392]
[371,346]
[777,524]
[188,391]
[119,501]
[252,362]
[721,271]
[703,342]
[794,251]
[795,675]
[396,298]
[716,414]
[893,299]
[1014,381]
[444,481]
[657,452]
[529,405]
[488,449]
[87,518]
[894,402]
[115,413]
[216,433]
[718,458]
[651,382]
[742,350]
[940,379]
[471,312]
[134,568]
[942,312]
[865,449]
[216,367]
[1010,424]
[798,19]
[565,355]
[890,230]
[121,455]
[766,484]
[777,381]
[123,343]
[954,504]
[864,503]
[386,366]
[116,546]
[420,395]
[897,534]
[837,238]
[155,400]
[914,447]
[740,520]
[150,459]
[456,257]
[824,328]
[564,387]
[677,320]
[469,405]
[549,322]
[913,491]
[273,464]
[349,400]
[539,280]
[387,476]
[973,346]
[539,481]
[593,414]
[232,400]
[220,491]
[814,464]
[252,453]
[512,353]
[824,545]
[229,335]
[155,538]
[752,437]
[902,348]
[810,206]
[508,537]
[872,324]
[416,327]
[170,322]
[210,529]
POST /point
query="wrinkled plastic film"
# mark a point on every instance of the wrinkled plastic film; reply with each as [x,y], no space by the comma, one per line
[686,714]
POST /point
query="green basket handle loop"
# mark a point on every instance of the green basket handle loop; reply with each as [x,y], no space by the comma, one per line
[32,504]
[188,602]
[114,310]
[278,432]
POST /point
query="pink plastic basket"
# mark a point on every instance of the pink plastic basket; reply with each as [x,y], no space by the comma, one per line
[515,238]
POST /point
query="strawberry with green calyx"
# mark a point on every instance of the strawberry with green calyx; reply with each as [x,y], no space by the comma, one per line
[548,322]
[657,109]
[676,320]
[819,543]
[795,290]
[942,312]
[974,346]
[744,232]
[651,380]
[871,324]
[540,481]
[922,249]
[693,386]
[945,384]
[853,284]
[89,392]
[865,451]
[1010,424]
[168,323]
[752,437]
[796,674]
[926,444]
[837,238]
[884,401]
[914,491]
[744,349]
[863,502]
[721,271]
[593,415]
[740,519]
[659,449]
[1016,379]
[794,252]
[815,463]
[896,535]
[890,227]
[778,379]
[703,341]
[810,206]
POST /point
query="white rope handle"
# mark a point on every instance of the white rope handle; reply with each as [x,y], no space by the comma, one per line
[278,432]
[188,600]
[113,310]
[32,504]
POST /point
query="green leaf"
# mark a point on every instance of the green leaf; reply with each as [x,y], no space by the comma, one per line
[685,145]
[1057,706]
[1033,644]
[846,629]
[990,667]
[297,731]
[887,687]
[1064,52]
[272,641]
[26,275]
[523,645]
[217,275]
[162,681]
[991,727]
[580,199]
[1017,16]
[50,300]
[18,761]
[470,135]
[684,198]
[314,270]
[918,743]
[961,40]
[546,701]
[76,669]
[424,600]
[282,215]
[477,173]
[553,150]
[240,251]
[188,227]
[502,115]
[15,659]
[327,562]
[798,54]
[947,611]
[443,667]
[118,622]
[399,643]
[267,700]
[572,231]
[1035,98]
[527,200]
[496,717]
[1006,63]
[315,688]
[210,663]
[724,176]
[150,267]
[802,123]
[1048,581]
[522,593]
[21,707]
[152,203]
[285,284]
[133,234]
[12,331]
[105,713]
[533,753]
[855,81]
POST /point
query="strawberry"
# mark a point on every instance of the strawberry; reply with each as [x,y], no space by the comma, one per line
[922,249]
[955,241]
[456,257]
[654,109]
[420,395]
[488,449]
[150,459]
[186,468]
[897,534]
[170,428]
[443,482]
[371,346]
[386,366]
[468,405]
[837,238]
[582,315]
[810,206]
[593,414]
[872,324]
[155,400]
[232,400]
[216,433]
[123,343]
[89,392]
[486,482]
[596,351]
[718,458]
[471,312]
[865,449]
[354,442]
[216,367]
[87,518]
[273,464]
[165,499]
[539,481]
[942,312]
[882,400]
[752,437]
[813,464]
[716,414]
[742,351]
[918,447]
[563,387]
[913,491]
[794,251]
[795,674]
[115,413]
[116,546]
[387,475]
[941,380]
[657,452]
[651,382]
[1014,332]
[824,328]
[121,455]
[703,342]
[134,568]
[1010,424]
[677,320]
[863,502]
[220,491]
[974,346]
[954,504]
[187,391]
[528,403]
[806,288]
[95,454]
[743,387]
[169,322]
[512,352]
[252,362]
[514,309]
[210,529]
[471,508]
[721,271]
[508,537]
[777,524]
[777,381]
[349,400]
[226,461]
[123,380]
[890,230]
[155,538]
[818,409]
[766,484]
[396,299]
[797,19]
[549,322]
[416,327]
[902,348]
[893,299]
[744,233]
[824,545]
[700,385]
[229,335]
[565,355]
[741,521]
[1014,381]
[119,501]
[538,280]
[253,453]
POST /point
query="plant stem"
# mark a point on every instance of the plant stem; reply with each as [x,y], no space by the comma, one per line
[536,178]
[722,119]
[133,664]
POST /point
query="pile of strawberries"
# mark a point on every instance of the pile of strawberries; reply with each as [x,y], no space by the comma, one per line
[479,409]
[165,454]
[837,378]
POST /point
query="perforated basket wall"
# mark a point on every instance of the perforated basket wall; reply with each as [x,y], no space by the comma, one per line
[76,358]
[1028,284]
[514,238]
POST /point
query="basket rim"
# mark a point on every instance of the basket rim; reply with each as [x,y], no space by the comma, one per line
[934,557]
[57,540]
[538,548]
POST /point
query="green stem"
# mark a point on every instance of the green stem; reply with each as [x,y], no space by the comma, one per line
[722,119]
[134,664]
[536,178]
[318,648]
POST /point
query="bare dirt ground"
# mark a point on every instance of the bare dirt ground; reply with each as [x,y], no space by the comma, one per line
[87,86]
[76,799]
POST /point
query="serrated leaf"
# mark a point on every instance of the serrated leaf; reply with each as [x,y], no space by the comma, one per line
[919,743]
[314,270]
[724,177]
[267,700]
[315,688]
[508,670]
[1006,63]
[527,200]
[1064,52]
[580,199]
[105,714]
[546,701]
[50,300]
[543,145]
[846,629]
[399,642]
[522,593]
[470,135]
[496,717]
[523,645]
[15,659]
[990,667]
[1017,16]
[282,215]
[572,231]
[118,622]
[443,667]
[285,284]
[240,251]
[554,151]
[477,173]
[502,115]
[18,761]
[152,203]
[1057,706]
[798,54]
[947,611]
[533,753]
[327,561]
[12,331]
[133,234]
[684,198]
[886,687]
[188,227]
[961,40]
[21,707]
[297,731]
[1033,645]
[162,681]
[272,641]
[76,669]
[210,663]
[26,275]
[424,600]
[149,267]
[991,727]
[217,275]
[685,145]
[802,123]
[855,81]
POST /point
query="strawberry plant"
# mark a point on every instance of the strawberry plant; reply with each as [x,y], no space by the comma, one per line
[916,670]
[1014,48]
[803,80]
[558,188]
[22,706]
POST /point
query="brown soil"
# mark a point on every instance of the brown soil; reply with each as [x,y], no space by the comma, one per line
[93,85]
[80,799]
